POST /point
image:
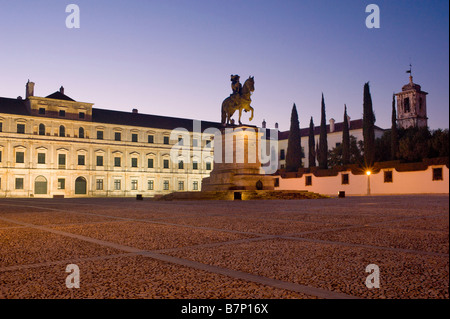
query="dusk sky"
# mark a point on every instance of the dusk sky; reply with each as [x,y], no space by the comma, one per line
[175,58]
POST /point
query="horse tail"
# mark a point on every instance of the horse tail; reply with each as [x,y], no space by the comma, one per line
[224,113]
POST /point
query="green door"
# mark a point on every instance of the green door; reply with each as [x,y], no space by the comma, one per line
[40,185]
[80,186]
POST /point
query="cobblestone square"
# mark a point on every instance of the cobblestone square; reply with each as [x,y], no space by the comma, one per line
[277,249]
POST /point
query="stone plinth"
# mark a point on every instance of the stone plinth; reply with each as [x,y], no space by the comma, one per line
[237,164]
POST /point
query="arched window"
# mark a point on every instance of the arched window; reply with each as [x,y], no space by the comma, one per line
[81,132]
[41,129]
[62,131]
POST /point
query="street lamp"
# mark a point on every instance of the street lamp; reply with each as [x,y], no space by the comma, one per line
[368,181]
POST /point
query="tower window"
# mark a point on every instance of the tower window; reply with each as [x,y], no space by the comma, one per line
[406,105]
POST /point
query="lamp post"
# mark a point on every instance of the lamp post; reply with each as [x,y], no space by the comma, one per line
[368,181]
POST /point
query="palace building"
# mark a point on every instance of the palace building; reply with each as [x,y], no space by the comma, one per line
[55,146]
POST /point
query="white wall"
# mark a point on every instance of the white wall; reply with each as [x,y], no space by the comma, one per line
[413,182]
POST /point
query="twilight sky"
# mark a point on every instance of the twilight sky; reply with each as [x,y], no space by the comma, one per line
[175,58]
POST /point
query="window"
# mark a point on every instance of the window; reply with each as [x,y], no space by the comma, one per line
[308,180]
[345,179]
[277,182]
[117,184]
[117,136]
[181,185]
[437,174]
[134,185]
[166,185]
[208,144]
[166,140]
[62,131]
[117,161]
[180,141]
[338,144]
[41,158]
[195,186]
[282,155]
[388,177]
[99,184]
[62,113]
[81,115]
[150,163]
[180,164]
[99,160]
[42,111]
[61,183]
[166,163]
[150,184]
[81,160]
[406,105]
[1,126]
[134,137]
[194,165]
[41,129]
[81,132]
[19,183]
[420,103]
[0,156]
[134,162]
[151,139]
[208,166]
[194,142]
[99,135]
[20,157]
[61,160]
[21,128]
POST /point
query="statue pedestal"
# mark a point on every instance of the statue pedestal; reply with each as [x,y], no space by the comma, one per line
[237,164]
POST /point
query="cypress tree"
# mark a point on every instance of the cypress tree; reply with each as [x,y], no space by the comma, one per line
[368,127]
[394,132]
[311,145]
[345,140]
[323,142]
[294,149]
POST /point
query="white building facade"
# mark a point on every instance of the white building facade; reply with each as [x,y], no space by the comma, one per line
[55,146]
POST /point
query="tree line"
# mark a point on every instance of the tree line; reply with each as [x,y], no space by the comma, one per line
[407,145]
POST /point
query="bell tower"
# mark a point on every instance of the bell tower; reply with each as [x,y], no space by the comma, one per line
[412,105]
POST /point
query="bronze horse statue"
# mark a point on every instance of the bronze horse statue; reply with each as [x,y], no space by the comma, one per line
[238,101]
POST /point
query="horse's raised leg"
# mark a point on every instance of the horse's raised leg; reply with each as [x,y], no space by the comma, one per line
[251,117]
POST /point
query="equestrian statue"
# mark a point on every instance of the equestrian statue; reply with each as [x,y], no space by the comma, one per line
[238,100]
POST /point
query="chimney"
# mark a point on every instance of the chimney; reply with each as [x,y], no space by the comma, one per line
[29,89]
[264,124]
[135,111]
[332,125]
[61,89]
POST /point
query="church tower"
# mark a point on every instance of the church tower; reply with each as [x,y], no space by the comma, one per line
[412,105]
